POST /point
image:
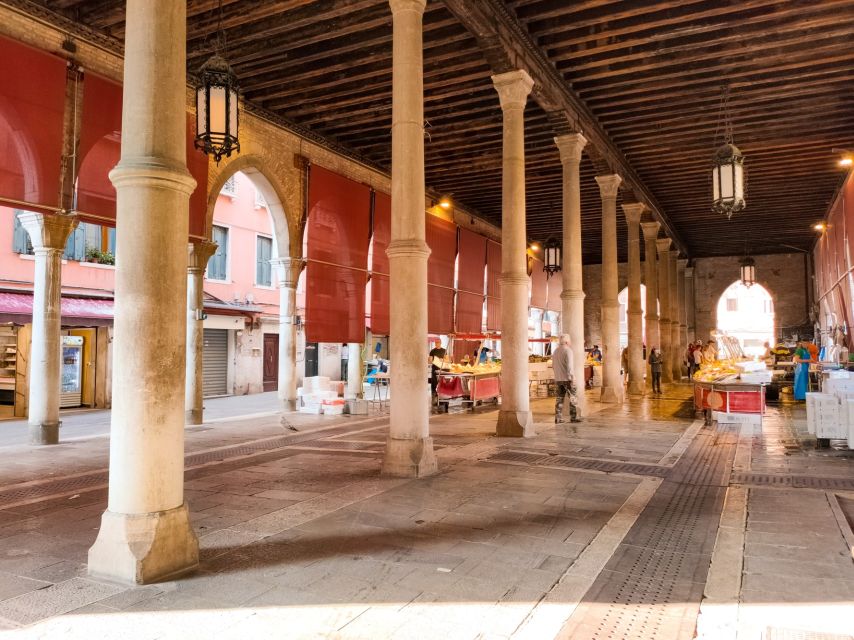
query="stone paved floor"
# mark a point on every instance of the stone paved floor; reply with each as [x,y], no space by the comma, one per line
[536,538]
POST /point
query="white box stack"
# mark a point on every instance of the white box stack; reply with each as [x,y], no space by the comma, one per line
[826,416]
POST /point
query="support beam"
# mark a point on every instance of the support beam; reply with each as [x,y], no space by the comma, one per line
[506,44]
[572,295]
[514,417]
[409,448]
[287,276]
[633,214]
[48,235]
[653,337]
[145,534]
[198,254]
[663,246]
[612,381]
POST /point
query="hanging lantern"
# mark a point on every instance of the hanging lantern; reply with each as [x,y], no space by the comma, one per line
[728,180]
[217,109]
[552,259]
[748,272]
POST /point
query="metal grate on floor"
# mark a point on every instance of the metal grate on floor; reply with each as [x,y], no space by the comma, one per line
[792,481]
[572,462]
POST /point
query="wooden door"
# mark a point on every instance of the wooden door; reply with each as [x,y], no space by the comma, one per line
[87,386]
[271,361]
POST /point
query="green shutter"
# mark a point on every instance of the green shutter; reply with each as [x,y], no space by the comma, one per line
[263,253]
[20,238]
[217,263]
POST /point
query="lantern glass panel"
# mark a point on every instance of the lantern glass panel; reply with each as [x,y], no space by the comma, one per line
[232,124]
[201,111]
[716,184]
[727,182]
[739,181]
[217,113]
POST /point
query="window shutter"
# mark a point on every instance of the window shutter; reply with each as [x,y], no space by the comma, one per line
[20,237]
[111,240]
[75,247]
[217,264]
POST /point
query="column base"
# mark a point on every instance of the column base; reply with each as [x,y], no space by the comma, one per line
[611,395]
[409,458]
[144,548]
[194,417]
[636,390]
[45,433]
[289,405]
[514,424]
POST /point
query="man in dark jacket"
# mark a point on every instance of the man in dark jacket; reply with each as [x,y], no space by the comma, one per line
[655,362]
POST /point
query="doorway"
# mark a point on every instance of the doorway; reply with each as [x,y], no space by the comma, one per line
[271,361]
[747,314]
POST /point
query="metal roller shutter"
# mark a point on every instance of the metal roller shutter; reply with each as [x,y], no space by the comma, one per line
[215,363]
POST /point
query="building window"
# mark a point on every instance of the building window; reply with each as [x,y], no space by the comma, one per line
[732,304]
[87,242]
[260,203]
[263,254]
[230,187]
[218,264]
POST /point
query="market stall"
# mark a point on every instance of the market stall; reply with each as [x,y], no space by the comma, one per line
[469,385]
[731,389]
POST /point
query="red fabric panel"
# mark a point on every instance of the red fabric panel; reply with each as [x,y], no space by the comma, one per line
[555,289]
[469,312]
[471,262]
[335,304]
[493,314]
[440,310]
[32,103]
[539,292]
[96,196]
[380,322]
[493,269]
[461,348]
[382,232]
[337,236]
[442,240]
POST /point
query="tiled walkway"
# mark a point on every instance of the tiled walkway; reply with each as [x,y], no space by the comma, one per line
[605,529]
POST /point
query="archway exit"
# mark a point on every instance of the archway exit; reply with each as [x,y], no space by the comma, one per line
[747,314]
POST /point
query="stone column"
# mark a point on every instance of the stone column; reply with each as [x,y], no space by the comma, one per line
[409,448]
[354,370]
[683,306]
[612,381]
[514,417]
[48,235]
[676,348]
[633,214]
[145,534]
[663,246]
[653,336]
[689,302]
[572,295]
[287,276]
[198,254]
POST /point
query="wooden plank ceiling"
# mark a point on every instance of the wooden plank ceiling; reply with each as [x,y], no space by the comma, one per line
[651,71]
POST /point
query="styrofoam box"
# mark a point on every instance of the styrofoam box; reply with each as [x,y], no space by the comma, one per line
[737,418]
[849,404]
[333,409]
[825,416]
[756,377]
[311,407]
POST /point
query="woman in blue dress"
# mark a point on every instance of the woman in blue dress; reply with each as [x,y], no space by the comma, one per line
[802,361]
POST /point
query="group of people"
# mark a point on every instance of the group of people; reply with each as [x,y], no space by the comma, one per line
[698,354]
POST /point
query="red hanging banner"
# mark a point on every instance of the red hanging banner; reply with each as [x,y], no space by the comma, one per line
[32,106]
[493,287]
[442,240]
[337,237]
[380,322]
[539,285]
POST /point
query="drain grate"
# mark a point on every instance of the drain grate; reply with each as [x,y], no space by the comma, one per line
[517,456]
[571,462]
[65,486]
[793,481]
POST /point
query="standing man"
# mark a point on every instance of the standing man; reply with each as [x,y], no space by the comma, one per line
[562,365]
[655,362]
[437,359]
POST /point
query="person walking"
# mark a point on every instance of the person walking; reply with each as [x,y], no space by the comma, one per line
[564,380]
[655,362]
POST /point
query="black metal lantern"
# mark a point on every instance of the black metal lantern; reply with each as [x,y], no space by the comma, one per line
[552,258]
[748,271]
[728,180]
[217,118]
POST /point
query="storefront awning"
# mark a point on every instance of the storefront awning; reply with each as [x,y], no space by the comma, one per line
[18,308]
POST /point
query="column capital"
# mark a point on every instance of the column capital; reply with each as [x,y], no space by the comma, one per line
[663,245]
[633,211]
[689,272]
[650,229]
[682,263]
[570,147]
[287,271]
[608,185]
[513,88]
[673,254]
[407,5]
[48,231]
[198,254]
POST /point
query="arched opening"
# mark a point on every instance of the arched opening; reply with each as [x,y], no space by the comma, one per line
[623,299]
[747,314]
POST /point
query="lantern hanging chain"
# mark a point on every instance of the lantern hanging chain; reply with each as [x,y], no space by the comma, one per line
[221,42]
[724,116]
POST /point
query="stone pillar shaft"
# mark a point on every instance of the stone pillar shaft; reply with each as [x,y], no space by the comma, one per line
[409,448]
[633,214]
[689,302]
[683,307]
[48,235]
[514,417]
[572,295]
[287,277]
[653,337]
[145,533]
[354,370]
[663,246]
[612,381]
[198,254]
[676,348]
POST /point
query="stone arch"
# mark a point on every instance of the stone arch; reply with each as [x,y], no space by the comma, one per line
[271,183]
[763,321]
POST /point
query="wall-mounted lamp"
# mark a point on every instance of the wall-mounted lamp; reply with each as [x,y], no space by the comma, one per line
[820,227]
[445,202]
[847,158]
